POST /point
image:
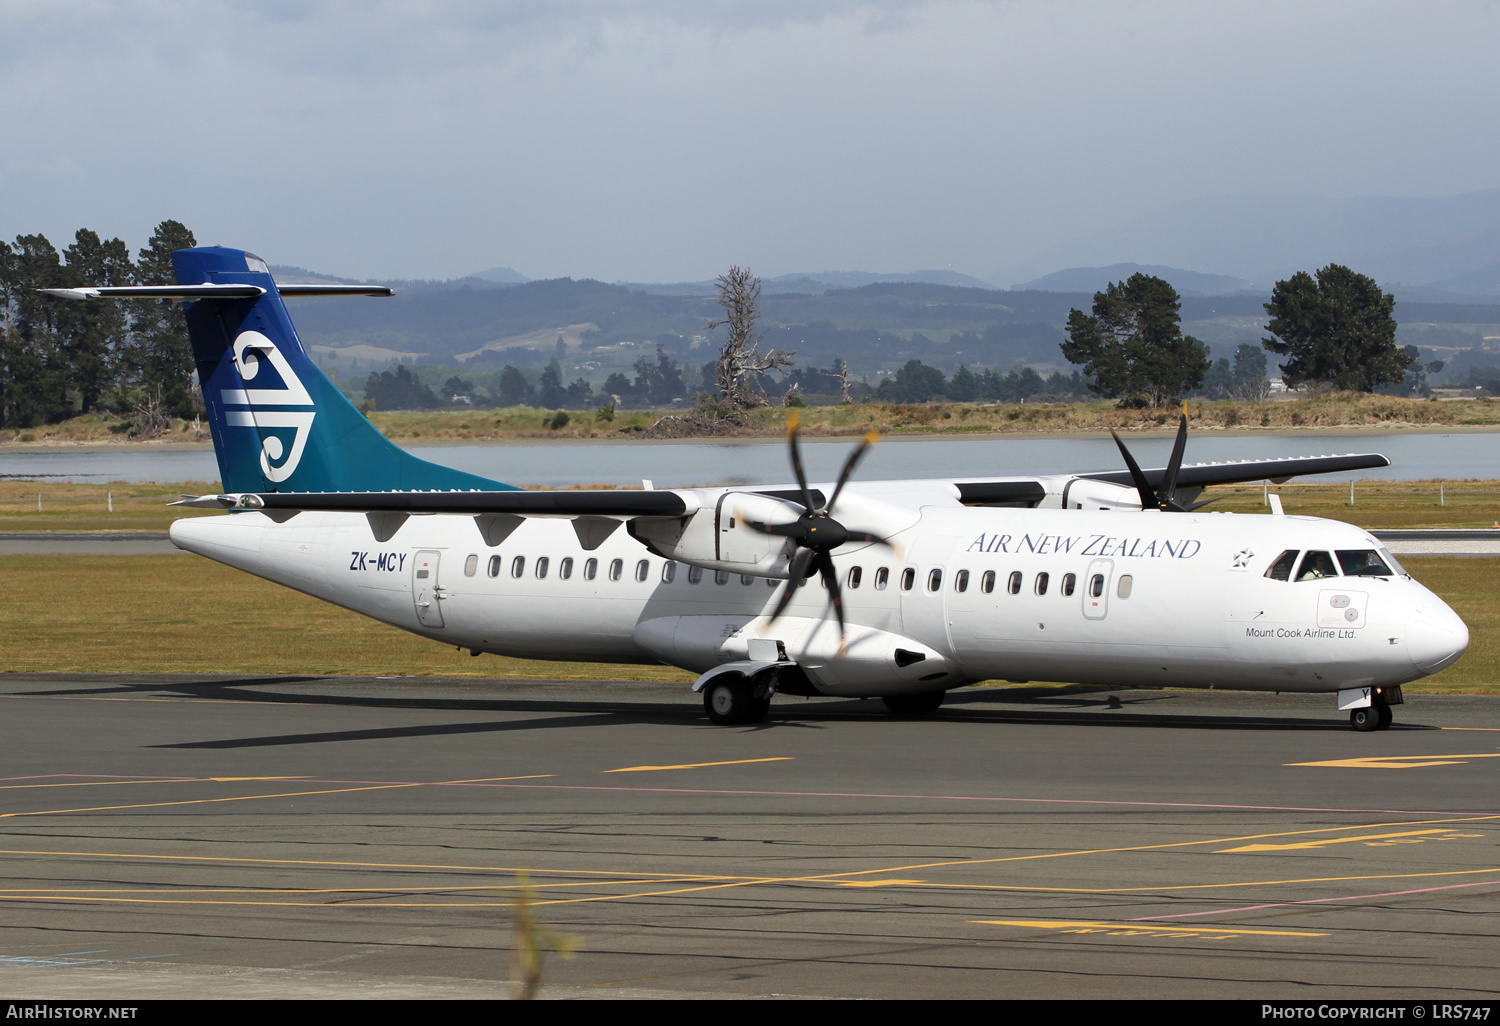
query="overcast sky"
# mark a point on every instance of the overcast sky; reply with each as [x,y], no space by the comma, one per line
[665,141]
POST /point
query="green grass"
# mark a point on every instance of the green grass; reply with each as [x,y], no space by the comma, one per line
[181,614]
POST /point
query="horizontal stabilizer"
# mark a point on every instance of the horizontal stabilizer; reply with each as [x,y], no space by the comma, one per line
[210,290]
[205,291]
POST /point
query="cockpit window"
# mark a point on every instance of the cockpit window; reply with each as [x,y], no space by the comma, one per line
[1390,561]
[1281,570]
[1315,566]
[1363,563]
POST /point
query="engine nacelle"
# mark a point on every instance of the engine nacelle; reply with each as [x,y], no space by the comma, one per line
[718,537]
[1089,493]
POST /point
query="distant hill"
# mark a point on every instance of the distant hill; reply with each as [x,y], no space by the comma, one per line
[1450,242]
[1096,279]
[503,275]
[809,284]
[289,275]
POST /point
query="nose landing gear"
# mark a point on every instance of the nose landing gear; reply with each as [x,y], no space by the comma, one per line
[1377,715]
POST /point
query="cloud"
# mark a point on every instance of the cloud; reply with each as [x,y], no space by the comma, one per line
[667,140]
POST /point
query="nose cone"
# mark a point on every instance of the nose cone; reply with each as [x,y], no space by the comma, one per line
[1435,636]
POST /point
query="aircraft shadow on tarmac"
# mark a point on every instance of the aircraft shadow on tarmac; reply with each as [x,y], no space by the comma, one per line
[1075,706]
[1078,706]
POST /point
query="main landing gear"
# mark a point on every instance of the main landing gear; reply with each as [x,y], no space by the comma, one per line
[732,699]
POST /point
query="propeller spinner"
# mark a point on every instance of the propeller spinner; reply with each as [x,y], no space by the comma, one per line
[815,534]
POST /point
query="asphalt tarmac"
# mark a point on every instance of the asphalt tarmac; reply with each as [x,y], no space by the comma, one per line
[357,837]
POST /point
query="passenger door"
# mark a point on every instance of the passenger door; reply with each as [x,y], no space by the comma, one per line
[427,592]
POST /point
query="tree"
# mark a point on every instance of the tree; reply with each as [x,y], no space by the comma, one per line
[399,391]
[740,361]
[161,353]
[552,394]
[92,333]
[34,371]
[514,389]
[1415,382]
[1133,348]
[1249,376]
[658,384]
[913,382]
[1338,331]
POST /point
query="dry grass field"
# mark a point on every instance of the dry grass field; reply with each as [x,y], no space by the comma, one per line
[1332,410]
[182,614]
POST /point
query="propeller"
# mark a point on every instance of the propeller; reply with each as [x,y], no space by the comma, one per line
[1164,498]
[815,534]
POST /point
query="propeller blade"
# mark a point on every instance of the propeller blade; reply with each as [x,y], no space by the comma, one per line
[831,582]
[870,536]
[792,423]
[780,530]
[800,568]
[1142,486]
[871,437]
[1167,497]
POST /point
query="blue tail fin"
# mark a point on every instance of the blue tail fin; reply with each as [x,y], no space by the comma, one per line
[278,424]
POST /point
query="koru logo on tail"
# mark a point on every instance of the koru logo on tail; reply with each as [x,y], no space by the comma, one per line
[270,411]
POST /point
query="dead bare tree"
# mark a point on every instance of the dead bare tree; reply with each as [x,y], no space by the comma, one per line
[150,417]
[740,360]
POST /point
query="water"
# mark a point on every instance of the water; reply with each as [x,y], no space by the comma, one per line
[677,464]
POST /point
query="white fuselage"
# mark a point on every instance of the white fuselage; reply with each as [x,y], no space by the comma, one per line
[1174,599]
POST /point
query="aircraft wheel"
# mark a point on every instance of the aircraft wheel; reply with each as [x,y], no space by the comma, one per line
[760,708]
[728,701]
[1386,716]
[1365,719]
[908,705]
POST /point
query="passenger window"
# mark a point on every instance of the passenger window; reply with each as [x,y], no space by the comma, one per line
[1316,566]
[518,566]
[542,563]
[1069,582]
[1123,588]
[565,568]
[772,582]
[1014,585]
[1281,570]
[695,574]
[855,573]
[1096,585]
[494,566]
[616,569]
[1041,583]
[642,571]
[1362,563]
[590,569]
[471,566]
[987,582]
[908,578]
[669,571]
[721,576]
[882,578]
[961,581]
[934,580]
